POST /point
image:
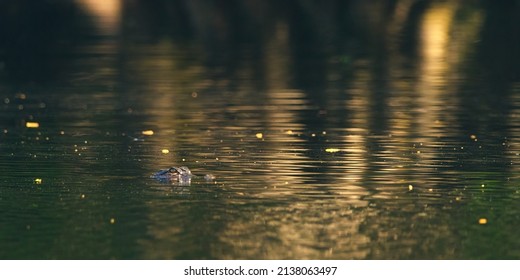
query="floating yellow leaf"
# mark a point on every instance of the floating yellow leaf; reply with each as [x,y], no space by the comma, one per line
[147,132]
[259,135]
[32,125]
[332,150]
[410,187]
[482,221]
[165,151]
[38,181]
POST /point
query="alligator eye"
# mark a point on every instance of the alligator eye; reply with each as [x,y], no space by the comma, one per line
[185,170]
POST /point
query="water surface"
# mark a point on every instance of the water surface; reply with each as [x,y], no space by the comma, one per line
[385,131]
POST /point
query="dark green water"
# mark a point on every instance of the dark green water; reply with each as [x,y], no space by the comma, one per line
[338,131]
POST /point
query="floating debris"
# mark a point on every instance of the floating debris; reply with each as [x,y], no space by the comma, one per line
[410,187]
[482,221]
[289,132]
[165,151]
[147,132]
[259,135]
[332,150]
[112,220]
[32,125]
[38,181]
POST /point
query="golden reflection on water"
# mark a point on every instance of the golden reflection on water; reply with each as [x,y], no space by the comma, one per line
[284,167]
[107,14]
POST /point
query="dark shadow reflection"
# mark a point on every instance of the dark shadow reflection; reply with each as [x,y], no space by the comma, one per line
[39,38]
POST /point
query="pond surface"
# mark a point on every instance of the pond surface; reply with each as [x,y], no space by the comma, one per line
[383,132]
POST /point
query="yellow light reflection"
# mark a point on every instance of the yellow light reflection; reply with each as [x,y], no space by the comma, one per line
[107,13]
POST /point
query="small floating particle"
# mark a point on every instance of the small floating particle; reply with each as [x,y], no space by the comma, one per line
[482,185]
[332,150]
[147,132]
[259,135]
[165,151]
[82,196]
[62,132]
[410,187]
[194,94]
[482,221]
[473,136]
[313,135]
[32,125]
[112,220]
[38,181]
[289,132]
